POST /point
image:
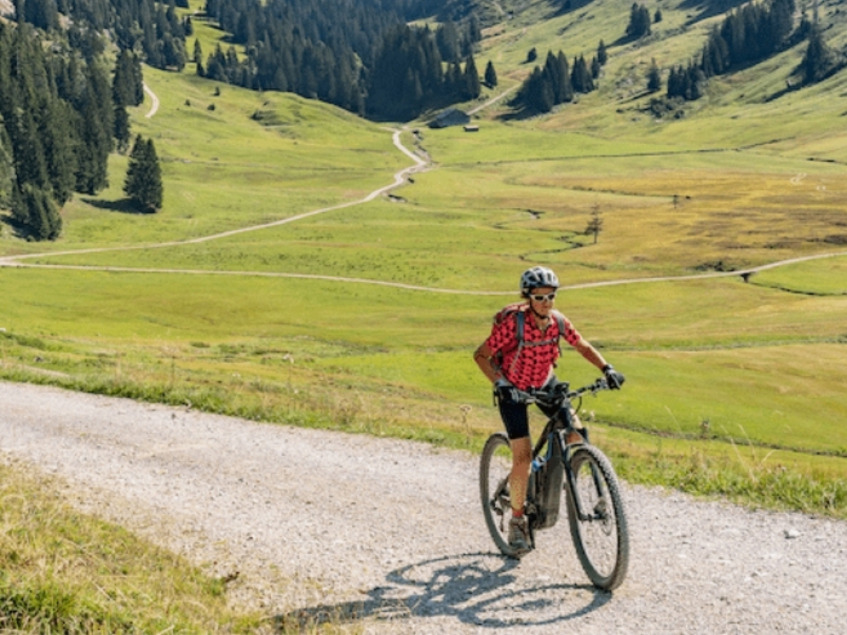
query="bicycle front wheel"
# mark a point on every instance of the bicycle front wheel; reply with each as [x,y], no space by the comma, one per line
[494,469]
[597,519]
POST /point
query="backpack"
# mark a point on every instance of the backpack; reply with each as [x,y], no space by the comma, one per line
[518,309]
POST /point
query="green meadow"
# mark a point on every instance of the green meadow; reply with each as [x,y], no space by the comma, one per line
[273,286]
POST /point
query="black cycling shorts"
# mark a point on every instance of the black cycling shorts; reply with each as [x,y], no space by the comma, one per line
[516,418]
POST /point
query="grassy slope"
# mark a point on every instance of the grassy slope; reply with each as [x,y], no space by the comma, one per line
[61,571]
[733,388]
[675,197]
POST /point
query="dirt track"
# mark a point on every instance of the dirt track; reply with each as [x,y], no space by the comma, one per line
[420,163]
[388,534]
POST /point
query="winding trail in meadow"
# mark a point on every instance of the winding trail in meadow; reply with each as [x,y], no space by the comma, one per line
[12,262]
[494,100]
[154,101]
[312,526]
[421,162]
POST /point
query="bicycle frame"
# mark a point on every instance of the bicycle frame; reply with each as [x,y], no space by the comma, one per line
[544,503]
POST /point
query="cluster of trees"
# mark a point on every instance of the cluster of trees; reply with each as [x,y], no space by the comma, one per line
[747,35]
[137,25]
[61,117]
[639,21]
[685,82]
[312,48]
[311,70]
[820,61]
[454,43]
[360,56]
[447,10]
[409,76]
[58,117]
[557,82]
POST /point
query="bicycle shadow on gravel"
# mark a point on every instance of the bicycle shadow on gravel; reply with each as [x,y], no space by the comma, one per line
[480,589]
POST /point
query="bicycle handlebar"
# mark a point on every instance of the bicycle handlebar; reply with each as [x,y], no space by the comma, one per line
[561,392]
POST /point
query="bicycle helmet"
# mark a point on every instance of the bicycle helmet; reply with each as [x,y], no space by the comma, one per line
[537,277]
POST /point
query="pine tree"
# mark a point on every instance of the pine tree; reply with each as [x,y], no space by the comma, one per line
[93,150]
[33,209]
[30,160]
[552,75]
[471,85]
[539,92]
[127,83]
[654,78]
[819,59]
[122,129]
[59,142]
[696,80]
[567,85]
[581,77]
[602,54]
[95,134]
[675,83]
[454,79]
[490,75]
[447,38]
[595,68]
[143,182]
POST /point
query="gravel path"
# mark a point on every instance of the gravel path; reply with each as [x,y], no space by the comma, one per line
[314,524]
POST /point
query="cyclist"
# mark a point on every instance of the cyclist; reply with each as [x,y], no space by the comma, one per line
[514,364]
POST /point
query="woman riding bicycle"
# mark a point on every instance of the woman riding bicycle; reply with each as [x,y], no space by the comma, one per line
[515,364]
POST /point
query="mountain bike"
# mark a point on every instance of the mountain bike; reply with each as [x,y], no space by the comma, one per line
[569,468]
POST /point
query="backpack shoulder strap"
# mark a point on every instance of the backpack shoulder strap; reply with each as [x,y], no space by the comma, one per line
[520,318]
[560,320]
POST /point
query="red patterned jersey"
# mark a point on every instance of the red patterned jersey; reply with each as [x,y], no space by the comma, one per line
[531,366]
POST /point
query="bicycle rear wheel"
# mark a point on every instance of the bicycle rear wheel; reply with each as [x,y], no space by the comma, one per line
[494,468]
[599,533]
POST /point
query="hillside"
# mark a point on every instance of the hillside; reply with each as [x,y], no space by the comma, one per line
[383,297]
[314,269]
[747,107]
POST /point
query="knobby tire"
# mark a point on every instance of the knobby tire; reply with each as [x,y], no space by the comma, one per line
[494,468]
[602,539]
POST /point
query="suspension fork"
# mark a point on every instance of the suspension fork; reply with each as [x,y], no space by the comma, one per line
[570,479]
[566,458]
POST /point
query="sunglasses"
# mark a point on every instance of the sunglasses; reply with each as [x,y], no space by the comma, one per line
[541,298]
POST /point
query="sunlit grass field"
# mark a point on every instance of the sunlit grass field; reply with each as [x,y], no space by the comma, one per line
[750,361]
[364,317]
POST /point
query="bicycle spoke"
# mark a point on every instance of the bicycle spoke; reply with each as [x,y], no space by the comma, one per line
[495,466]
[599,528]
